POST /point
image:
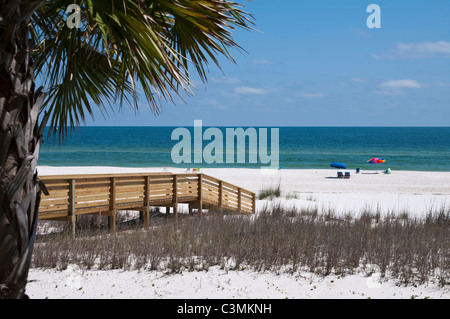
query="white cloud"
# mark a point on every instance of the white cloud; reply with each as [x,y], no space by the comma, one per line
[401,84]
[417,50]
[396,87]
[249,90]
[424,49]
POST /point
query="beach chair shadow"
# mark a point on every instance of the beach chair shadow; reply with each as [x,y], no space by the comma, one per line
[340,175]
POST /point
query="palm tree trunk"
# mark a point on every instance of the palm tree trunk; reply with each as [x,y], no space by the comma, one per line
[20,140]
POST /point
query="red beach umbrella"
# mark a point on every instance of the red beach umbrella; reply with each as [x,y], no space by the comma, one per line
[376,160]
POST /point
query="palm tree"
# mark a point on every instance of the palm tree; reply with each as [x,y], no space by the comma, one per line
[120,45]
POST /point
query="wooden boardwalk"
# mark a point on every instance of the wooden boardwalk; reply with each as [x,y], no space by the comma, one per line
[74,195]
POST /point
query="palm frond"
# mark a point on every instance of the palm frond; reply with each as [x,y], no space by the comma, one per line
[125,43]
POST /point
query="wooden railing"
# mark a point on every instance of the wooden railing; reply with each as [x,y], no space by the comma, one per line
[73,195]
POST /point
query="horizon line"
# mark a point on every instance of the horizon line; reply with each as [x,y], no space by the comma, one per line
[277,126]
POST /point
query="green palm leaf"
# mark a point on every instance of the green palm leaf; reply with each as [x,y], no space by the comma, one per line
[125,43]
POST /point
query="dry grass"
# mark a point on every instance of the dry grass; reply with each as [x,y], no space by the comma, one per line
[277,239]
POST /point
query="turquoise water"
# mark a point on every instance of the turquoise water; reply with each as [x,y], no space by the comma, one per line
[406,148]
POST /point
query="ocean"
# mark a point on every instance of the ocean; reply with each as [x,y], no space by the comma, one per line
[403,148]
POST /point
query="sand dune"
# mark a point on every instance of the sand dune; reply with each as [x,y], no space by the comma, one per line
[415,192]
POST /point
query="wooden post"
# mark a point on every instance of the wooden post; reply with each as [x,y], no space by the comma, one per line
[147,202]
[200,198]
[254,203]
[239,199]
[112,205]
[72,212]
[175,196]
[220,193]
[146,216]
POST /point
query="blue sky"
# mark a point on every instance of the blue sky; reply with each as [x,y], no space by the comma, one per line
[316,63]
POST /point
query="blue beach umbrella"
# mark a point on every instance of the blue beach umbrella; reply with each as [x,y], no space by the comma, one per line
[338,165]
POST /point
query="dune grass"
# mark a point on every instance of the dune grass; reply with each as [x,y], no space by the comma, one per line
[402,247]
[270,192]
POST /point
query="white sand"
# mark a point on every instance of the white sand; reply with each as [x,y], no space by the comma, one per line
[412,191]
[216,284]
[415,192]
